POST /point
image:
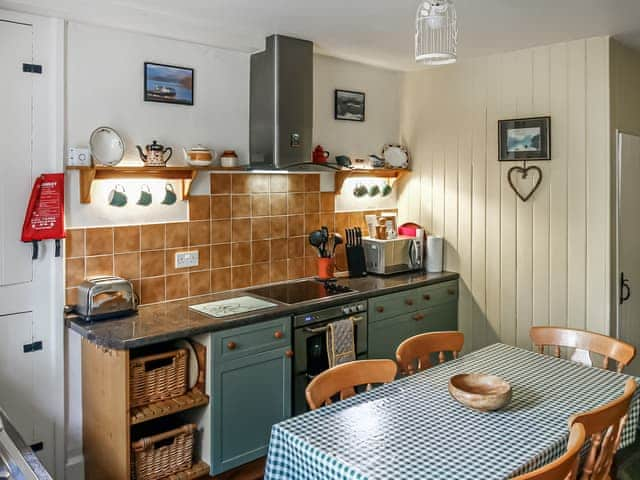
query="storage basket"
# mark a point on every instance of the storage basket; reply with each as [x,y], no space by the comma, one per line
[165,454]
[158,377]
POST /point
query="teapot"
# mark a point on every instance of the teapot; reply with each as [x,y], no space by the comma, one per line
[154,154]
[199,156]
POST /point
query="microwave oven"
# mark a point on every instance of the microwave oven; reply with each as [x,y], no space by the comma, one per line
[386,257]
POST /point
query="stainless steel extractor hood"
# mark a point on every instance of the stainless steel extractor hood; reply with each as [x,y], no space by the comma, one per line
[281,104]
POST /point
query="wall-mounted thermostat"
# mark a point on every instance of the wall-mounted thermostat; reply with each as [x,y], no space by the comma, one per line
[79,157]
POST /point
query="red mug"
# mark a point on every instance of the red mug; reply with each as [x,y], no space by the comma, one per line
[320,155]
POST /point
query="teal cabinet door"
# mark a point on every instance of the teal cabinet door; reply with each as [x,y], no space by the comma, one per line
[386,335]
[249,395]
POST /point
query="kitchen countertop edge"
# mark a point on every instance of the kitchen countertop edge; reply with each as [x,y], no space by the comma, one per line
[105,333]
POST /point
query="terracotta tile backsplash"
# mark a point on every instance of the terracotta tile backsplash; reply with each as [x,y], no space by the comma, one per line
[251,230]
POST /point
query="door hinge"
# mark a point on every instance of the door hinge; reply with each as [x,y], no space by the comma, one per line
[31,68]
[36,447]
[32,347]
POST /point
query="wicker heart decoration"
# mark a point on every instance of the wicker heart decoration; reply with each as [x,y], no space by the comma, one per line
[525,173]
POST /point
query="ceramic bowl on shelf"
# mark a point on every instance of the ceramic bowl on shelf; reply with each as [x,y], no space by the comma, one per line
[479,391]
[199,156]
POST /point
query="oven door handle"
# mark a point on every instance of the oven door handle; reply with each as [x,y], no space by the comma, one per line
[325,328]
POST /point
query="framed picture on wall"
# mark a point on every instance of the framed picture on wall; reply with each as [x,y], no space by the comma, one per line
[349,105]
[168,84]
[524,139]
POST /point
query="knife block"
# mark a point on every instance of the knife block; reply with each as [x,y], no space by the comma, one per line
[355,261]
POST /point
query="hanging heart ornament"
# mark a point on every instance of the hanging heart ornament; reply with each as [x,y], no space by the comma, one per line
[528,181]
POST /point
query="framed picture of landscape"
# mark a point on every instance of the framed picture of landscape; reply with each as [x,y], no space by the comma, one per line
[168,84]
[349,105]
[524,139]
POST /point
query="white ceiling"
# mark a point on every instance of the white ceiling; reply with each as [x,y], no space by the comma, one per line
[378,32]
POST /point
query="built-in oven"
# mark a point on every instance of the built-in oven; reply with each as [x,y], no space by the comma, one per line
[310,342]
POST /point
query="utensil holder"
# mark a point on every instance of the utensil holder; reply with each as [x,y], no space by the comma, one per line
[355,261]
[326,268]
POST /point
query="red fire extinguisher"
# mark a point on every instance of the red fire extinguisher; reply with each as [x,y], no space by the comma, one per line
[44,219]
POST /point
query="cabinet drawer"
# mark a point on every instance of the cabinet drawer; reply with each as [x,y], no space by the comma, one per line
[433,295]
[437,319]
[252,339]
[394,304]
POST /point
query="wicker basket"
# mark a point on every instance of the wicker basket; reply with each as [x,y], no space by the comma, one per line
[159,456]
[158,377]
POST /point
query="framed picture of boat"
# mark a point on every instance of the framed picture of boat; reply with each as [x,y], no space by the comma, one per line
[349,106]
[168,84]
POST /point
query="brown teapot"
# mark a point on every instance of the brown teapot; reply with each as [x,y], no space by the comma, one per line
[155,154]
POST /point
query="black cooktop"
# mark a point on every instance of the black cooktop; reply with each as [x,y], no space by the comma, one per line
[303,291]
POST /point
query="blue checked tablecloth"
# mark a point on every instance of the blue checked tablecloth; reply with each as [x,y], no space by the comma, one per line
[413,429]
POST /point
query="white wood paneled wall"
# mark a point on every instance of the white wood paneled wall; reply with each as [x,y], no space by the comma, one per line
[543,262]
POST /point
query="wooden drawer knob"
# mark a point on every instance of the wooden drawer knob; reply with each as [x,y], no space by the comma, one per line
[380,309]
[278,334]
[289,354]
[426,296]
[451,291]
[408,301]
[418,316]
[231,345]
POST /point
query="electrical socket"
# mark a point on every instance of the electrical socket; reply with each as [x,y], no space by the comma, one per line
[187,259]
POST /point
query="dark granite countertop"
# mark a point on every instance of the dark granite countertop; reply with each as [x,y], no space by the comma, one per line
[173,320]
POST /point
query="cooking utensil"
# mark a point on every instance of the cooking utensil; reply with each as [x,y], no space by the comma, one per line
[325,240]
[337,240]
[107,146]
[480,392]
[316,239]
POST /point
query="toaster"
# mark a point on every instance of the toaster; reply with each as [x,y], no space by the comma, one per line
[100,298]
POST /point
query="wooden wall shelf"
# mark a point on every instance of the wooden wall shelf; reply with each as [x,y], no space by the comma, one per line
[184,173]
[392,173]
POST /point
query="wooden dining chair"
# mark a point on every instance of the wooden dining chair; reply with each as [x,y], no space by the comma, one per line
[414,354]
[603,426]
[584,343]
[343,379]
[565,467]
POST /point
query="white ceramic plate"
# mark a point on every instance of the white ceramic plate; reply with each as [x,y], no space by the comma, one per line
[396,157]
[194,371]
[107,147]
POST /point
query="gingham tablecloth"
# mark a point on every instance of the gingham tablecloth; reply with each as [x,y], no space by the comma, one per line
[413,429]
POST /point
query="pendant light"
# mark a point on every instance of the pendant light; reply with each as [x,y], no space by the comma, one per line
[436,32]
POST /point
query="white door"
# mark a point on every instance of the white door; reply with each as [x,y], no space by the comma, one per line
[19,389]
[628,153]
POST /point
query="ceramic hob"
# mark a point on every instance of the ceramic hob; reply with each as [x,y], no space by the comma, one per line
[297,292]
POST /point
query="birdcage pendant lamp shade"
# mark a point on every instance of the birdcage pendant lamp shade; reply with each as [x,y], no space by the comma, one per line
[436,32]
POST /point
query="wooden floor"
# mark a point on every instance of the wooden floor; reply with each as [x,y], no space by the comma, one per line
[250,471]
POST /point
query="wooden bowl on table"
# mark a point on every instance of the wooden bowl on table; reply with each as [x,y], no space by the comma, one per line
[479,391]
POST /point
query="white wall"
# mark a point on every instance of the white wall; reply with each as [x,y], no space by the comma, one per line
[382,107]
[105,87]
[542,262]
